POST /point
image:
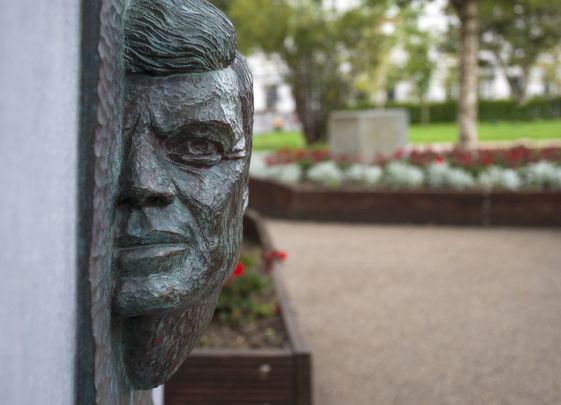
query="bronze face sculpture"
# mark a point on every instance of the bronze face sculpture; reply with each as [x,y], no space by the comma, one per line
[183,181]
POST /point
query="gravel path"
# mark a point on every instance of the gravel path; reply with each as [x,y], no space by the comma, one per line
[423,315]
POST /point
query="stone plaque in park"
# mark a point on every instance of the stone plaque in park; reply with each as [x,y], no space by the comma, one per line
[142,205]
[368,134]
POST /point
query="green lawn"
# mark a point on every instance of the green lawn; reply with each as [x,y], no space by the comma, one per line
[503,131]
[278,140]
[435,133]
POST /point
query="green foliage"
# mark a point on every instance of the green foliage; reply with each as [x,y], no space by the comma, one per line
[517,33]
[489,110]
[417,44]
[221,4]
[419,66]
[247,296]
[326,53]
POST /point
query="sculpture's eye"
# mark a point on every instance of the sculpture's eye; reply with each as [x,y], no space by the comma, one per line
[200,147]
[194,151]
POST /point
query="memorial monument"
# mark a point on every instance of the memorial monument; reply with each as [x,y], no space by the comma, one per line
[183,183]
[368,134]
[125,148]
[172,160]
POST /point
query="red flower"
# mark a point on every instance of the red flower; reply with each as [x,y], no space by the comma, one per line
[439,160]
[282,255]
[273,255]
[300,154]
[399,155]
[486,157]
[318,155]
[268,256]
[239,270]
[467,159]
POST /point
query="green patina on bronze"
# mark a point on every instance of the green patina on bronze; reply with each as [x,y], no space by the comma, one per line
[183,180]
[165,170]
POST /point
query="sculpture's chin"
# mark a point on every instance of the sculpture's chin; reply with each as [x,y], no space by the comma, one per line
[157,345]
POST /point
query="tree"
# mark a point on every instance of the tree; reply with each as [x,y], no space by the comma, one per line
[467,13]
[325,52]
[221,4]
[419,67]
[551,67]
[517,33]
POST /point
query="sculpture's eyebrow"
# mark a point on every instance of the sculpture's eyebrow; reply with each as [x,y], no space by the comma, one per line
[215,129]
[218,131]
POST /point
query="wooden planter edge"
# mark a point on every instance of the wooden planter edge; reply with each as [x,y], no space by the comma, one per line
[443,207]
[300,350]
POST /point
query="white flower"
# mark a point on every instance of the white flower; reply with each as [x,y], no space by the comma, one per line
[440,175]
[437,175]
[403,175]
[287,173]
[327,173]
[459,179]
[258,167]
[496,177]
[542,174]
[364,174]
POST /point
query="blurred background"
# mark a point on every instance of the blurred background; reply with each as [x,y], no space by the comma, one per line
[407,161]
[310,58]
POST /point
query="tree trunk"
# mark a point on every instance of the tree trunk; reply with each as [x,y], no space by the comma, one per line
[517,89]
[313,120]
[314,124]
[516,84]
[309,109]
[469,47]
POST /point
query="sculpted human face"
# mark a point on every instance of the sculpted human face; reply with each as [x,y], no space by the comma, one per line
[178,220]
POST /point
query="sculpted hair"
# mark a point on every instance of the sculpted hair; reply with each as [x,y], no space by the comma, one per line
[168,37]
[165,37]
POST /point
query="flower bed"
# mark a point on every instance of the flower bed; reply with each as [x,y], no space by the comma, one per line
[248,314]
[513,169]
[517,186]
[237,364]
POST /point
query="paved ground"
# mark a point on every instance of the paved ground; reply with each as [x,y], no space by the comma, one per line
[423,315]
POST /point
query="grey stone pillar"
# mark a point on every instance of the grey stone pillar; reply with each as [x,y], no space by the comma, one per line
[39,115]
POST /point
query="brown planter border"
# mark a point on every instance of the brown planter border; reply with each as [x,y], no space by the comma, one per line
[308,202]
[249,377]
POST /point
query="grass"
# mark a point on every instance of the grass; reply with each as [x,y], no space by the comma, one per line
[502,131]
[278,140]
[435,133]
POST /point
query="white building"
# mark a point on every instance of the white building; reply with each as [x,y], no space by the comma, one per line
[274,103]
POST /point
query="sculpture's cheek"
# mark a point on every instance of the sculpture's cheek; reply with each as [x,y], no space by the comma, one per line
[212,187]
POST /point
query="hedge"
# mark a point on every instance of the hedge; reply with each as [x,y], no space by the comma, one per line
[497,110]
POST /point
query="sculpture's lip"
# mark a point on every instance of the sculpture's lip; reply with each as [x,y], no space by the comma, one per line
[150,239]
[152,250]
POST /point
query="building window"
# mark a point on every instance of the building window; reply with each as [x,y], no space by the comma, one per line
[272,97]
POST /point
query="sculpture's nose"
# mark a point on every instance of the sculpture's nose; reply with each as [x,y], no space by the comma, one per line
[144,181]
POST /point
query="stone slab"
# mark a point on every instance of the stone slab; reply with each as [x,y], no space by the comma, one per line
[367,134]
